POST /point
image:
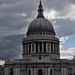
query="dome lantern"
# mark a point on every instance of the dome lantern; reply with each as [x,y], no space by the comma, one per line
[40,11]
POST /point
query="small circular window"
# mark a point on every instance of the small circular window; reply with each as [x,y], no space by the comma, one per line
[40,58]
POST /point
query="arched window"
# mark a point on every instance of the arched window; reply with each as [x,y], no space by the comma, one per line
[29,72]
[40,72]
[51,72]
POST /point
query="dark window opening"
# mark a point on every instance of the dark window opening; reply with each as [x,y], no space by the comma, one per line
[40,72]
[51,72]
[44,47]
[40,47]
[51,47]
[36,47]
[40,58]
[11,71]
[29,72]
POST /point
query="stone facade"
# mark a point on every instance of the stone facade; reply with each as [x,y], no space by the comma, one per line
[48,67]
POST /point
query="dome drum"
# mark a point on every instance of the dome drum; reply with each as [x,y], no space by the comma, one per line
[40,34]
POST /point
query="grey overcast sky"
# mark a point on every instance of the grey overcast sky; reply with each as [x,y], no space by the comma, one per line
[16,15]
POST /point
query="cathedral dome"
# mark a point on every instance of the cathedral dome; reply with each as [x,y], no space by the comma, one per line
[39,25]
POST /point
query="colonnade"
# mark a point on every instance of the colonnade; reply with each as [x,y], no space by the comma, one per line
[40,71]
[41,47]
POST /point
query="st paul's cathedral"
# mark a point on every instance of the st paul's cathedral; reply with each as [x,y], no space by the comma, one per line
[41,53]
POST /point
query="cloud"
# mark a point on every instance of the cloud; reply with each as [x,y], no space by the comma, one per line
[8,1]
[15,18]
[61,46]
[64,27]
[11,46]
[63,9]
[68,54]
[63,39]
[51,14]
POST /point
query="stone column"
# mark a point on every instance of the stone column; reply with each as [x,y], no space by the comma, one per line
[53,47]
[73,70]
[6,71]
[46,47]
[28,47]
[57,48]
[32,71]
[66,70]
[46,72]
[52,71]
[61,71]
[34,47]
[50,47]
[16,71]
